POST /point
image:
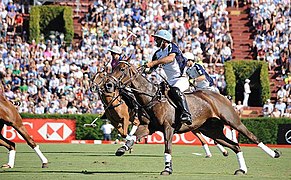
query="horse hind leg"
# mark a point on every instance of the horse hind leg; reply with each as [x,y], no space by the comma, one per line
[214,130]
[23,132]
[12,152]
[243,130]
[221,149]
[203,142]
[11,148]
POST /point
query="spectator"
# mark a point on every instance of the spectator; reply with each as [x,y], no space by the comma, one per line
[239,108]
[288,109]
[282,93]
[276,113]
[281,106]
[247,92]
[268,108]
[107,128]
[225,53]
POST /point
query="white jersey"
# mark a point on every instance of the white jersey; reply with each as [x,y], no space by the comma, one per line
[172,70]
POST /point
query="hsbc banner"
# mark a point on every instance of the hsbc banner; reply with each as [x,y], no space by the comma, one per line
[44,130]
[187,138]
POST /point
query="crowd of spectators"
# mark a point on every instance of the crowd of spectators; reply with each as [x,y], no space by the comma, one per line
[198,26]
[272,43]
[51,77]
[272,28]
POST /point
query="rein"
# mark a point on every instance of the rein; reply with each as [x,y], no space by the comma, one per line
[127,89]
[102,93]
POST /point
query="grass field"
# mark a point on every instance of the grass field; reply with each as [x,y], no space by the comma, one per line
[88,161]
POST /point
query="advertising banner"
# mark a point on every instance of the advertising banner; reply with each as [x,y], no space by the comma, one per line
[44,130]
[284,134]
[187,138]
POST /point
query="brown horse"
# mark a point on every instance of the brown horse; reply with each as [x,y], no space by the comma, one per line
[10,116]
[121,116]
[210,112]
[116,109]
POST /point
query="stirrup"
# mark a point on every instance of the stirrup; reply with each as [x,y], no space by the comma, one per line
[185,118]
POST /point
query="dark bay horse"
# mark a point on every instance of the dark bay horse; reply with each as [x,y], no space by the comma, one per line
[10,116]
[210,112]
[121,116]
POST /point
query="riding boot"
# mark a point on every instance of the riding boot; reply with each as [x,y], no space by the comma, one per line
[180,100]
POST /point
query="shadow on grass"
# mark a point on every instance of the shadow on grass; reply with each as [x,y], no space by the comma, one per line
[131,155]
[78,172]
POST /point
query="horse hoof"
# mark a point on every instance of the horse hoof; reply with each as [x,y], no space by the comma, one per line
[44,165]
[277,153]
[6,166]
[225,153]
[166,172]
[239,172]
[120,151]
[208,156]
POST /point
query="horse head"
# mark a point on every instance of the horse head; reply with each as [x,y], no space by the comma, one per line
[115,109]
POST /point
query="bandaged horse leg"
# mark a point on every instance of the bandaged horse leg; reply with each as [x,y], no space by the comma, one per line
[242,164]
[130,139]
[270,152]
[41,156]
[203,142]
[11,148]
[207,151]
[168,163]
[222,149]
[11,159]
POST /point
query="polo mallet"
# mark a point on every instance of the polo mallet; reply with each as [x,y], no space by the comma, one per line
[92,123]
[128,37]
[126,40]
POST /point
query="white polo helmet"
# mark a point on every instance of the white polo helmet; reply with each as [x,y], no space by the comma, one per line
[189,56]
[115,49]
[164,34]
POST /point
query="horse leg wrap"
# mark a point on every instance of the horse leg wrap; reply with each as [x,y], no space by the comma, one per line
[40,155]
[207,151]
[267,150]
[241,162]
[129,144]
[11,158]
[221,148]
[168,163]
[133,130]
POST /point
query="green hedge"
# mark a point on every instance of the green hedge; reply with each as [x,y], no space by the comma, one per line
[47,18]
[257,71]
[266,129]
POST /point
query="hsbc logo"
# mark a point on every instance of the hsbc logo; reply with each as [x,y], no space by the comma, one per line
[55,131]
[44,130]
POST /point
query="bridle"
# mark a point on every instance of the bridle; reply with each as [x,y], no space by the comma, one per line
[126,85]
[106,88]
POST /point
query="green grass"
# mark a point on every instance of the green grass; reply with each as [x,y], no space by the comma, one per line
[88,161]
